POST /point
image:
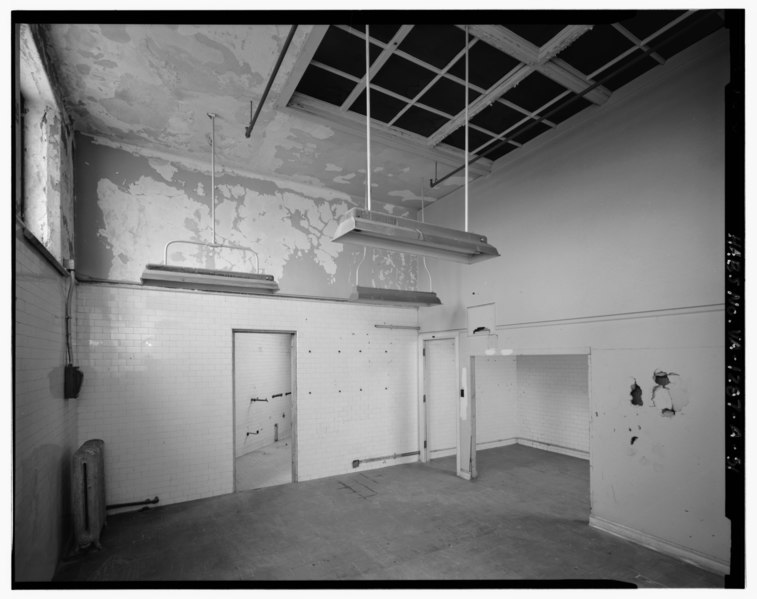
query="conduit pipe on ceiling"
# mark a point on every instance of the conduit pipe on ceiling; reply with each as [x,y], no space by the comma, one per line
[254,118]
[646,51]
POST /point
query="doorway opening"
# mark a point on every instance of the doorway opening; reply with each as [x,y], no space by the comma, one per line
[264,409]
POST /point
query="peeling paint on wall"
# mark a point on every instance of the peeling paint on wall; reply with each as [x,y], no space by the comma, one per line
[47,154]
[636,394]
[137,204]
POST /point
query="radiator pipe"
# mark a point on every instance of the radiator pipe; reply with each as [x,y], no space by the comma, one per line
[248,129]
[394,456]
[132,503]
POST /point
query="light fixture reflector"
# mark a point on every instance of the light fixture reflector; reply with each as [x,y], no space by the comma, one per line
[376,229]
[376,295]
[208,280]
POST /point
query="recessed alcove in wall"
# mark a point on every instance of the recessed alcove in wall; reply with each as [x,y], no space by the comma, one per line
[533,397]
[538,398]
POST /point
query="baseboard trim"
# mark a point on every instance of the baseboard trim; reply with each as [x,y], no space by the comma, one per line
[441,453]
[660,545]
[497,443]
[575,453]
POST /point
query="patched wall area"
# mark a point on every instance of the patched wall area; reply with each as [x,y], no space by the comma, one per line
[130,205]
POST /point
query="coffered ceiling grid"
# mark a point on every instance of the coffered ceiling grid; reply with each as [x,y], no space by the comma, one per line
[524,78]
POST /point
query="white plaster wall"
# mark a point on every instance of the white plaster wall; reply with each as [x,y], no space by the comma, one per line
[158,385]
[44,423]
[621,209]
[611,235]
[668,484]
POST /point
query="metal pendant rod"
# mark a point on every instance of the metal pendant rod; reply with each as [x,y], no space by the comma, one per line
[368,119]
[466,128]
[213,172]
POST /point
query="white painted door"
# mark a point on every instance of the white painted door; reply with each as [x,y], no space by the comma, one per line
[441,390]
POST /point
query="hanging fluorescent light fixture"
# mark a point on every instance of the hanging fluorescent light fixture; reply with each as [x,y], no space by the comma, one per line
[375,229]
[377,295]
[166,275]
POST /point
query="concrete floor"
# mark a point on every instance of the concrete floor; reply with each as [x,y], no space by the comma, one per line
[525,518]
[271,465]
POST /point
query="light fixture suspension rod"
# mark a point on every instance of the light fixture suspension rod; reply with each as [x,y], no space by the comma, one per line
[367,120]
[213,172]
[645,53]
[466,128]
[248,129]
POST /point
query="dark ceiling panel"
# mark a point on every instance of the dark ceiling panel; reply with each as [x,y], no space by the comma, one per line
[536,34]
[566,108]
[685,35]
[500,150]
[325,85]
[528,131]
[533,92]
[647,22]
[403,77]
[380,32]
[420,121]
[615,78]
[497,117]
[383,107]
[595,48]
[476,138]
[434,44]
[486,65]
[447,96]
[344,51]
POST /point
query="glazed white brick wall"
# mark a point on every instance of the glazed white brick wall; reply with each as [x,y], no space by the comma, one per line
[496,401]
[553,400]
[158,385]
[44,422]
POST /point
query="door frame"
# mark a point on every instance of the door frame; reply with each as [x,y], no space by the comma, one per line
[293,380]
[422,405]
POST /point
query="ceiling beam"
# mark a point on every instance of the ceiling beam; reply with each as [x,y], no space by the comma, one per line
[564,38]
[644,42]
[507,82]
[387,51]
[637,42]
[444,72]
[508,42]
[392,137]
[561,72]
[300,66]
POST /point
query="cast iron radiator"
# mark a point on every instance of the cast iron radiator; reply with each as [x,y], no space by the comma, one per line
[88,493]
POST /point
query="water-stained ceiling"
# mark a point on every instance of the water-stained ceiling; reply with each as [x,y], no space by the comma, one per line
[152,86]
